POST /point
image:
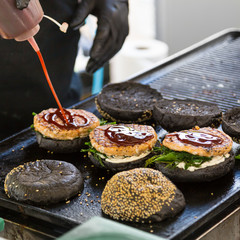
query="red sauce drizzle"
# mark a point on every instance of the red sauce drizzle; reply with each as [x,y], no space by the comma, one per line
[52,119]
[127,136]
[197,138]
[51,86]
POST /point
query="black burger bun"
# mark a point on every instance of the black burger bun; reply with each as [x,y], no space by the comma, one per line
[231,123]
[206,174]
[141,195]
[60,146]
[176,115]
[127,102]
[43,182]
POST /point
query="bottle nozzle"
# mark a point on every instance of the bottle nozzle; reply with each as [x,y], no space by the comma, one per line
[63,27]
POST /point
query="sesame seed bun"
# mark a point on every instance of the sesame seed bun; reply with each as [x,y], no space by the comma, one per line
[176,115]
[127,102]
[231,123]
[141,195]
[43,182]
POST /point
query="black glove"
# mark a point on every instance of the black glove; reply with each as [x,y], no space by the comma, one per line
[21,4]
[112,28]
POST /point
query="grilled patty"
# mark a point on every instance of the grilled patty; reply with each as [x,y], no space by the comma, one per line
[105,145]
[50,130]
[206,142]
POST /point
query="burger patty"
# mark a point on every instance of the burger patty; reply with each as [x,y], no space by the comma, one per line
[206,142]
[105,145]
[50,130]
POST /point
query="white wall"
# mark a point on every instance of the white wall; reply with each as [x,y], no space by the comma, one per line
[135,55]
[180,23]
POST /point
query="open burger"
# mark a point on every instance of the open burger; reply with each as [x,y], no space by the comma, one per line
[55,134]
[121,146]
[195,155]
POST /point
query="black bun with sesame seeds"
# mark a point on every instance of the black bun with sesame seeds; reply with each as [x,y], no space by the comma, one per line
[127,102]
[141,195]
[206,174]
[60,146]
[231,123]
[176,115]
[43,182]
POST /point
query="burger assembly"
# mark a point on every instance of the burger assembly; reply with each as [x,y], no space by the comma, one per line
[143,167]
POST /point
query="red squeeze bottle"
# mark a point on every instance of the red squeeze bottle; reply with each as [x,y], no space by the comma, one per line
[37,50]
[22,25]
[19,24]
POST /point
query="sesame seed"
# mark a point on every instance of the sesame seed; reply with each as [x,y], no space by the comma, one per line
[122,198]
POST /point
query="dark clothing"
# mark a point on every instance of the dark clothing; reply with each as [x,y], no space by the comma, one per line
[23,87]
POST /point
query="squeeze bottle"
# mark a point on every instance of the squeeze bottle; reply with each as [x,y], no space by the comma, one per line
[19,24]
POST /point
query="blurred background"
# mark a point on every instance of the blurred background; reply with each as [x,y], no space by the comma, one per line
[158,28]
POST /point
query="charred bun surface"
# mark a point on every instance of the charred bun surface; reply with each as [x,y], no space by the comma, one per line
[176,115]
[231,123]
[127,102]
[43,182]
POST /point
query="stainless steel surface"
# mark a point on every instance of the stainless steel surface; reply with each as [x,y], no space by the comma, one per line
[15,231]
[227,228]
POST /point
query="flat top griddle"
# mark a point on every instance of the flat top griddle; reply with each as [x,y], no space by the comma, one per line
[209,71]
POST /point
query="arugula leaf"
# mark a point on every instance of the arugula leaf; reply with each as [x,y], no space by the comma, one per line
[34,114]
[104,122]
[173,158]
[237,156]
[97,155]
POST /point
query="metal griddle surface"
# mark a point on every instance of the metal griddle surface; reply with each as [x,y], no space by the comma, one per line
[210,72]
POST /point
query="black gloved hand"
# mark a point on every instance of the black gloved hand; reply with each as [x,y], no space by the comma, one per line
[112,28]
[21,4]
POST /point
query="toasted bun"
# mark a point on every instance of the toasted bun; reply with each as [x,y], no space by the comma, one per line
[141,195]
[60,146]
[43,182]
[231,123]
[127,102]
[176,115]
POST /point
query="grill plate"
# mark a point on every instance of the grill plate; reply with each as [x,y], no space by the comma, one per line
[209,71]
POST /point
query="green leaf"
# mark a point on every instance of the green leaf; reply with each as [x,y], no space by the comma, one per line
[104,122]
[173,158]
[237,156]
[96,154]
[32,126]
[34,114]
